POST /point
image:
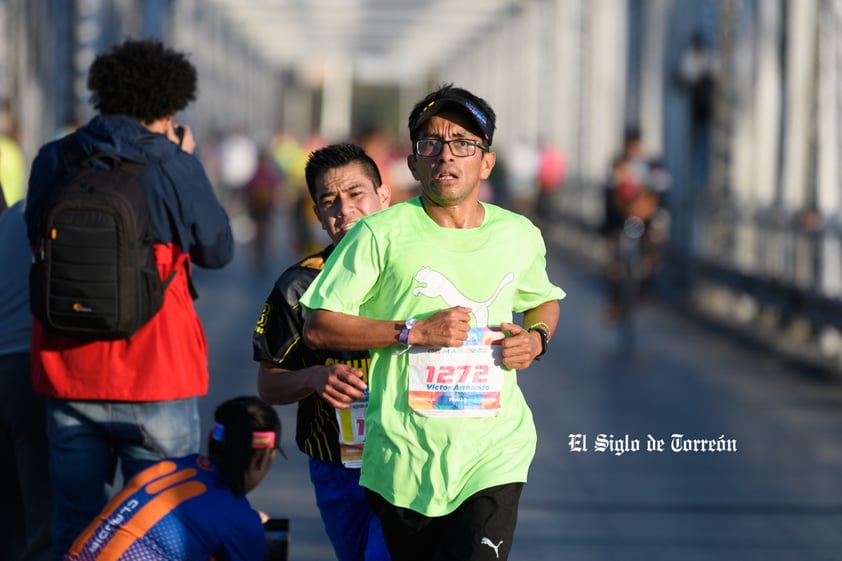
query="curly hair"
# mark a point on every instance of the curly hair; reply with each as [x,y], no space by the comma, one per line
[142,79]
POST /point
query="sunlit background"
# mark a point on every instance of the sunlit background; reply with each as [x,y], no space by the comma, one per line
[751,183]
[755,193]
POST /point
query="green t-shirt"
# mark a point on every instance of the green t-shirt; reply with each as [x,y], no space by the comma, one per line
[396,264]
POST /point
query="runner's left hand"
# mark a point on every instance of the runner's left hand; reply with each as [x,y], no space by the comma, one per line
[519,347]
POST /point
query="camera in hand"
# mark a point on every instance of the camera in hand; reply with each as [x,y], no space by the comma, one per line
[179,132]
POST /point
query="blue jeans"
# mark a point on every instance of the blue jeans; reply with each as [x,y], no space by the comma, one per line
[350,523]
[87,438]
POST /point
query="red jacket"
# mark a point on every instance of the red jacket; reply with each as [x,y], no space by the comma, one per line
[166,359]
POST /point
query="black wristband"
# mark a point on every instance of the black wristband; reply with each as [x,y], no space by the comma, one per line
[545,338]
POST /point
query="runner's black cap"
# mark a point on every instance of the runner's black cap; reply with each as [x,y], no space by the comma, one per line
[454,101]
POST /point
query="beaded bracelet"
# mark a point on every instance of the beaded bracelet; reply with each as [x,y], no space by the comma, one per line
[541,324]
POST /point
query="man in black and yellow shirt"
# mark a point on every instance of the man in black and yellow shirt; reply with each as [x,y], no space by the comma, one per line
[329,386]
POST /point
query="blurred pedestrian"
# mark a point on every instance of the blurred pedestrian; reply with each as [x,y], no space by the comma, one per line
[552,169]
[635,198]
[383,149]
[262,193]
[449,436]
[698,72]
[698,75]
[305,233]
[12,164]
[328,386]
[522,165]
[26,501]
[193,507]
[238,155]
[132,399]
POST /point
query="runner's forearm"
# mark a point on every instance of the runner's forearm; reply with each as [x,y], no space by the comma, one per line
[324,329]
[280,386]
[546,313]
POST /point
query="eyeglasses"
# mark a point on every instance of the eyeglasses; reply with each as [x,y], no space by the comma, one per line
[429,147]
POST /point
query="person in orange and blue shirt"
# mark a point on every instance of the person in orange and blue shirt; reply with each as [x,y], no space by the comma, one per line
[193,507]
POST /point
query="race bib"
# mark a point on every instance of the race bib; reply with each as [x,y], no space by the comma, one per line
[352,432]
[461,381]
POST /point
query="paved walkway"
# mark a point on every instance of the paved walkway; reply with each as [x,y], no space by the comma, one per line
[775,494]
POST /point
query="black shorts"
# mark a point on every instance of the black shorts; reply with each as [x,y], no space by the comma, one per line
[481,529]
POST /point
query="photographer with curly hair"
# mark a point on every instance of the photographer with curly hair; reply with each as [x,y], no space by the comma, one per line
[132,399]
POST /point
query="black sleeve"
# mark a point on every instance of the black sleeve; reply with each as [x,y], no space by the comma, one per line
[277,334]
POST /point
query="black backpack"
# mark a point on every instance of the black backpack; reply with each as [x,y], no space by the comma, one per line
[94,275]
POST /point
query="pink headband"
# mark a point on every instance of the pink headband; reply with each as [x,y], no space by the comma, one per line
[264,439]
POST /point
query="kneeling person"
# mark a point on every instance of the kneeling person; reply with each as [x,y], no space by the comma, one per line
[193,507]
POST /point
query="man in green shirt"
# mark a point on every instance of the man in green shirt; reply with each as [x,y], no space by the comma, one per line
[431,287]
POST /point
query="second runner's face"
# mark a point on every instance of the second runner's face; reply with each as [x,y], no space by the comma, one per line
[343,196]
